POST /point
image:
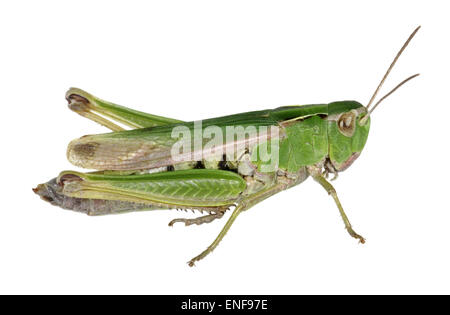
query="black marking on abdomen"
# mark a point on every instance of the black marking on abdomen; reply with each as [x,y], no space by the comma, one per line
[223,165]
[199,165]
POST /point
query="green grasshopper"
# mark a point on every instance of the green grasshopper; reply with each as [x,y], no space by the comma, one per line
[162,163]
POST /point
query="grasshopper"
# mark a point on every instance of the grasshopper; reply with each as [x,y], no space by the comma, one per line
[155,165]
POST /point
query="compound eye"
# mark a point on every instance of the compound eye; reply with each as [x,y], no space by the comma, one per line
[346,123]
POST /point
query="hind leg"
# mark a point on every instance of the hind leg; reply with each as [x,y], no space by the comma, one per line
[200,220]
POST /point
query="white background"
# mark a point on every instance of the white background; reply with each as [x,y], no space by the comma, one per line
[200,59]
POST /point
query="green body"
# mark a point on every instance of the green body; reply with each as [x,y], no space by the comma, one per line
[135,166]
[135,169]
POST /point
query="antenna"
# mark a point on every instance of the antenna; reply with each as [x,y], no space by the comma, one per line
[390,68]
[392,91]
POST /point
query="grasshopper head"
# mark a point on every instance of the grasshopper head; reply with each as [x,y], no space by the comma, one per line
[347,132]
[349,121]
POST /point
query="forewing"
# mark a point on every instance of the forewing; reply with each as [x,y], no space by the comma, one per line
[148,148]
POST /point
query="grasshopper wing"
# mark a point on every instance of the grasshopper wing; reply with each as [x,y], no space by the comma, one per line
[148,148]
